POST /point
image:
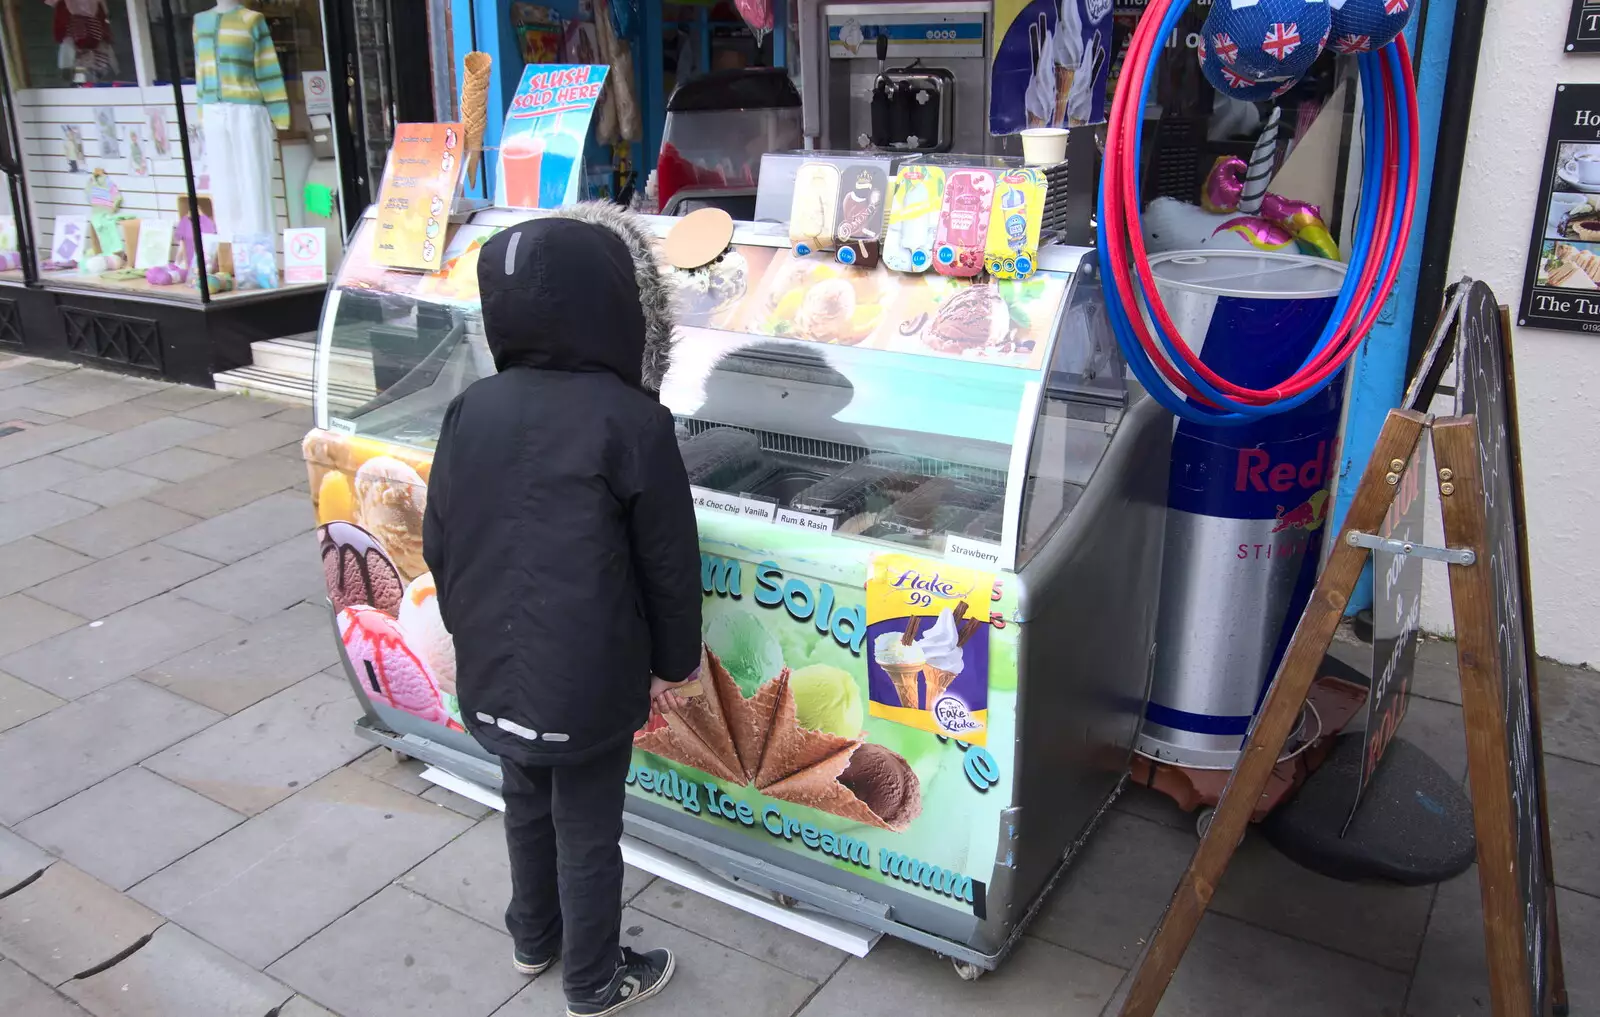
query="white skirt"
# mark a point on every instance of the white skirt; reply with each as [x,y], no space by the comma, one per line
[239,158]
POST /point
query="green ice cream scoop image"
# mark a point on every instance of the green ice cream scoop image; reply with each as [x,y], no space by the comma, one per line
[826,698]
[749,652]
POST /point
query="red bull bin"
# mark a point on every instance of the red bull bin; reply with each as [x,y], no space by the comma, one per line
[1245,505]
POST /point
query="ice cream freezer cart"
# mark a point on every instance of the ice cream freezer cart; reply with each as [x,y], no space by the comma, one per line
[931,518]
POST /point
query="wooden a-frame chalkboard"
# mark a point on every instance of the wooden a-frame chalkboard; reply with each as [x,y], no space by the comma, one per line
[1477,471]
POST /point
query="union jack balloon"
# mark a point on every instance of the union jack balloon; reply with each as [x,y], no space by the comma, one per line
[1263,39]
[1363,25]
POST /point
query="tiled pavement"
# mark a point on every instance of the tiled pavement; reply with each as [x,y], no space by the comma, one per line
[188,828]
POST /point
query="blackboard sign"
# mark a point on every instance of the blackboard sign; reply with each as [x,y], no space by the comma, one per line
[1561,284]
[1583,31]
[1396,621]
[1483,389]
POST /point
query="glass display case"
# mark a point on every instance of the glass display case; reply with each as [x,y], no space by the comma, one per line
[931,515]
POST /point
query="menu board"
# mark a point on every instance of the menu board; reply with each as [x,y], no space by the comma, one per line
[419,188]
[1561,287]
[763,291]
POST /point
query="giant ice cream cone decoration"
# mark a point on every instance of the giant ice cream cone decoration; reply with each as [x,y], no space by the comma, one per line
[475,108]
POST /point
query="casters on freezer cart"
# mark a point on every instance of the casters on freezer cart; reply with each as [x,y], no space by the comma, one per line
[1202,820]
[968,971]
[784,900]
[399,757]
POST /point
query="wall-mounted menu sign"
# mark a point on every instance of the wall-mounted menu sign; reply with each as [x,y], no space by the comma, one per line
[1583,31]
[1561,288]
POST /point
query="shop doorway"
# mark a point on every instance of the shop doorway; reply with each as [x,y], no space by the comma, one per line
[379,55]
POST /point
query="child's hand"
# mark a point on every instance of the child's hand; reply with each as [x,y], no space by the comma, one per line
[660,689]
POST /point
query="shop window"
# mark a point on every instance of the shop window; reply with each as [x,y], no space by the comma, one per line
[69,42]
[296,34]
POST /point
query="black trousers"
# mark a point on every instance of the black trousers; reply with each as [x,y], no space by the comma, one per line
[562,828]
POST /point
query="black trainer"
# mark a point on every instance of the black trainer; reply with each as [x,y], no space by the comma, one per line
[638,977]
[531,964]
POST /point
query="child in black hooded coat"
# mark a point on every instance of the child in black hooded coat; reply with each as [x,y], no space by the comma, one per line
[561,536]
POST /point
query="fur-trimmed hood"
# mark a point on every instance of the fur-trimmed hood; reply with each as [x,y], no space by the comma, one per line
[578,290]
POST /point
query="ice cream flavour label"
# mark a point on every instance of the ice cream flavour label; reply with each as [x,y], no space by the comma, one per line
[928,625]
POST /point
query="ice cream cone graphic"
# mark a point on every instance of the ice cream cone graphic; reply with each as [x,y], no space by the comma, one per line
[904,677]
[939,681]
[759,741]
[1064,77]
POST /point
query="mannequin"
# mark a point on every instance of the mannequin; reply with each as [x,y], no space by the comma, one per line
[240,91]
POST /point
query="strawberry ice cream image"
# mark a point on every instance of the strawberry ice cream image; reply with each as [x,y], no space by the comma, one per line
[387,669]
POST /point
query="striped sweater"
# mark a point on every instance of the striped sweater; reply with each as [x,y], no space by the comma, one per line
[234,62]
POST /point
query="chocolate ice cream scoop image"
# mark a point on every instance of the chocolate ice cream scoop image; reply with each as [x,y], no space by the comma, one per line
[357,570]
[975,318]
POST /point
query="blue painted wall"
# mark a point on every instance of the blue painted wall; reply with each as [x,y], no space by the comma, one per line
[1378,378]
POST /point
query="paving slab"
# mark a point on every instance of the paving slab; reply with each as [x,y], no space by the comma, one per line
[264,583]
[21,702]
[39,474]
[18,370]
[249,439]
[176,465]
[471,874]
[119,528]
[138,442]
[1436,728]
[30,561]
[380,764]
[181,397]
[238,534]
[93,656]
[711,980]
[296,414]
[400,953]
[178,975]
[232,410]
[52,758]
[456,803]
[110,487]
[25,414]
[235,485]
[1451,978]
[1569,704]
[300,1006]
[25,516]
[118,416]
[128,826]
[123,580]
[20,861]
[270,883]
[25,621]
[1114,893]
[1233,969]
[263,754]
[26,996]
[66,922]
[895,977]
[73,398]
[249,663]
[89,378]
[757,937]
[1378,922]
[40,441]
[1434,675]
[1572,789]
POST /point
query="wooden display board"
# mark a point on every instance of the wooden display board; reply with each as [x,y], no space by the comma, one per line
[1477,470]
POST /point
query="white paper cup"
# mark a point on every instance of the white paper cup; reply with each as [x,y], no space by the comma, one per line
[1042,146]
